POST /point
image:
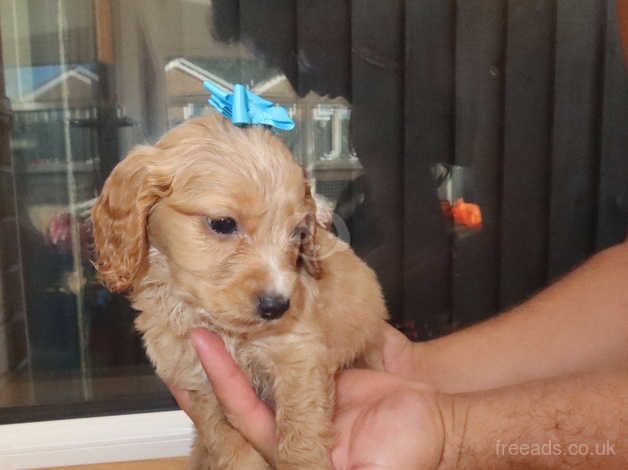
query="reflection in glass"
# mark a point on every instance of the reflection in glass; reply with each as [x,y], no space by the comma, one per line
[86,82]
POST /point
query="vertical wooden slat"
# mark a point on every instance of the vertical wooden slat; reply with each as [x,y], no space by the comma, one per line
[104,36]
[377,90]
[573,185]
[613,184]
[429,129]
[324,40]
[107,138]
[479,108]
[527,147]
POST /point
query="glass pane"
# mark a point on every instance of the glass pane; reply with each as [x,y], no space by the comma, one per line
[86,82]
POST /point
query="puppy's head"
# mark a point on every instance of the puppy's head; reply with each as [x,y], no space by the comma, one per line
[228,209]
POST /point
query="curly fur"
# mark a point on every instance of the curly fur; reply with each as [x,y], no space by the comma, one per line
[152,241]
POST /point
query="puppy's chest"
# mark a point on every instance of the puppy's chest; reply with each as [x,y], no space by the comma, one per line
[256,365]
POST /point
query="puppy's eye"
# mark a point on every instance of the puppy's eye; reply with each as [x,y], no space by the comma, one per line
[223,225]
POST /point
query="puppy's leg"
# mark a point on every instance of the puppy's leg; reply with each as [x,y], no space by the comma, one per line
[303,393]
[199,458]
[225,448]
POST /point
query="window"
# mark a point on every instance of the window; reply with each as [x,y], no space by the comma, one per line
[87,81]
[401,108]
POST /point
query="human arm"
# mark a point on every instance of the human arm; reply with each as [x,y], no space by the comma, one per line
[578,422]
[578,324]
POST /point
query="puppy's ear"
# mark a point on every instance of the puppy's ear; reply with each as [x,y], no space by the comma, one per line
[309,254]
[120,213]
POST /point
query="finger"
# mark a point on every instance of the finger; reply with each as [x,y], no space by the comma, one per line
[393,342]
[344,421]
[398,352]
[361,385]
[232,388]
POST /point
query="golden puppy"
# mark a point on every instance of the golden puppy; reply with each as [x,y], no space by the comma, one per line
[215,227]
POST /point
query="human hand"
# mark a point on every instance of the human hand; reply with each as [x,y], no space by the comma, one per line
[403,357]
[381,420]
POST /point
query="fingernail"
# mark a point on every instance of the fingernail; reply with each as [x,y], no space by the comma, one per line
[195,336]
[205,339]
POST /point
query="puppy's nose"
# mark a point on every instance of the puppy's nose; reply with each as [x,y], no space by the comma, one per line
[271,307]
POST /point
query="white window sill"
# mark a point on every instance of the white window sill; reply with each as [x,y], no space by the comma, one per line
[95,440]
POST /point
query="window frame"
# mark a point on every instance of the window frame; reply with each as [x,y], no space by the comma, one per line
[104,439]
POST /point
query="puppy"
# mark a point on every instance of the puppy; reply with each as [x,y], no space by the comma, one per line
[215,227]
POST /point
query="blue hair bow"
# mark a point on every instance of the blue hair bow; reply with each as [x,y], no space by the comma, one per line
[244,108]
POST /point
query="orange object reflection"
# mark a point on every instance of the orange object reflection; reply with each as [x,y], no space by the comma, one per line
[466,213]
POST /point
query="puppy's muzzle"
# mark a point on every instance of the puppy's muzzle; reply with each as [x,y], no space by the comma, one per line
[271,307]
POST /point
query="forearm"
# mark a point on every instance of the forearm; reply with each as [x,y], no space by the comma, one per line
[572,423]
[578,324]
